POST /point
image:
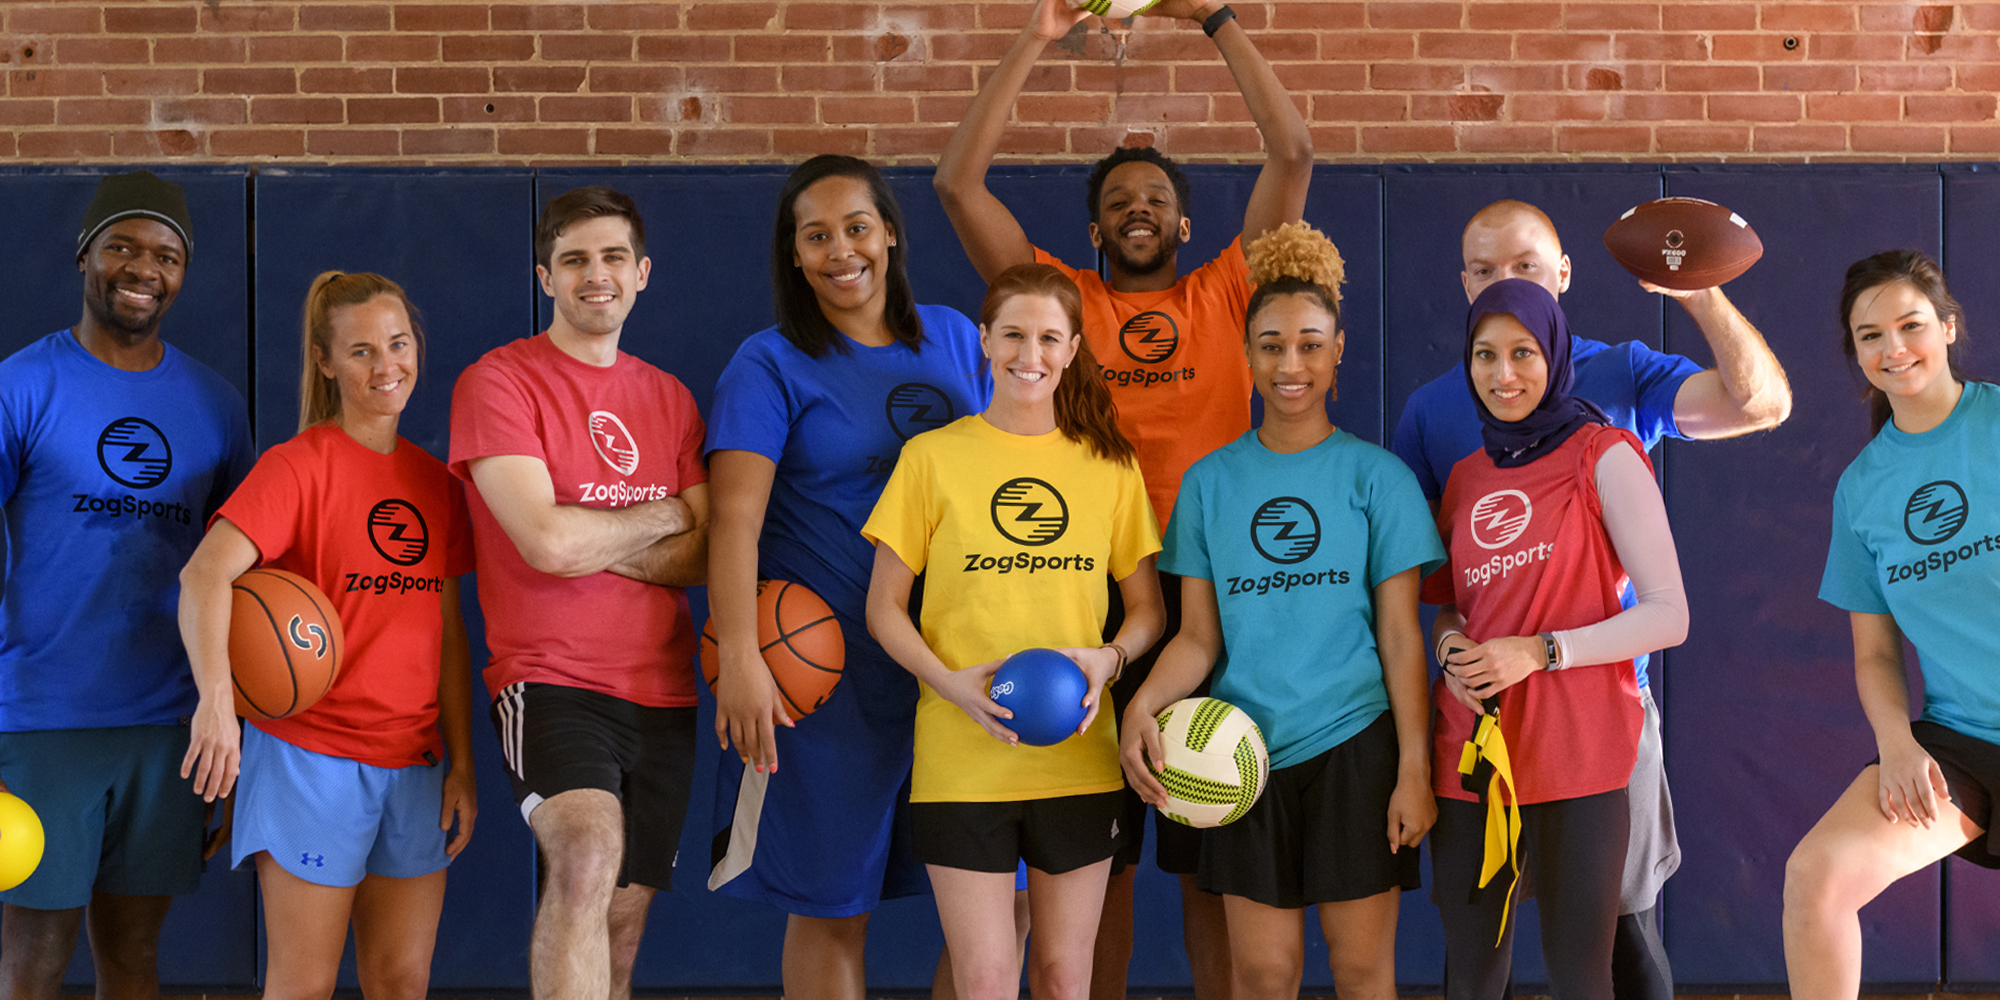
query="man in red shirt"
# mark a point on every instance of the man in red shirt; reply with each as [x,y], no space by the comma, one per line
[589,515]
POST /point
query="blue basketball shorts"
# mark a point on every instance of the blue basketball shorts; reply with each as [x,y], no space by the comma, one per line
[332,821]
[117,816]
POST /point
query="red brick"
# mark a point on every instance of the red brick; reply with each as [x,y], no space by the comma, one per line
[1198,140]
[256,142]
[1176,47]
[1713,79]
[1394,76]
[102,111]
[1401,14]
[1457,107]
[1623,16]
[1149,108]
[723,142]
[1515,17]
[595,108]
[1335,141]
[1048,78]
[1463,45]
[1809,17]
[1369,46]
[1229,108]
[1977,17]
[1095,142]
[152,19]
[1065,108]
[586,48]
[848,141]
[1957,46]
[669,109]
[950,108]
[64,145]
[648,16]
[1563,47]
[1755,108]
[1632,107]
[443,80]
[781,48]
[1361,107]
[544,141]
[488,48]
[1034,141]
[1856,48]
[734,79]
[239,17]
[725,15]
[828,17]
[920,141]
[1284,46]
[55,19]
[155,144]
[200,50]
[1300,78]
[392,110]
[295,49]
[384,143]
[979,47]
[392,48]
[538,79]
[741,110]
[684,48]
[1897,138]
[1798,138]
[1702,139]
[1626,76]
[1955,108]
[342,80]
[1556,107]
[1659,46]
[943,78]
[634,142]
[1979,78]
[447,141]
[428,17]
[1515,78]
[1975,139]
[933,17]
[866,110]
[151,82]
[837,78]
[16,111]
[55,82]
[1508,139]
[201,111]
[1604,139]
[1907,77]
[1763,48]
[89,51]
[1408,139]
[542,16]
[1854,107]
[1709,17]
[487,109]
[348,17]
[1811,77]
[634,79]
[1307,15]
[298,111]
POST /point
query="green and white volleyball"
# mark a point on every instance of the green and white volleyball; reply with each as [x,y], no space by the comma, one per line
[1115,8]
[1215,764]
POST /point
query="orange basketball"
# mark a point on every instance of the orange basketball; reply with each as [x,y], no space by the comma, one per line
[800,640]
[284,643]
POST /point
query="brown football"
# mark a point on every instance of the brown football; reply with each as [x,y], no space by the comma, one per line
[1683,243]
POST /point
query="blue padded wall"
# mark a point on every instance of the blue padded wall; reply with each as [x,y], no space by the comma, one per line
[457,243]
[208,941]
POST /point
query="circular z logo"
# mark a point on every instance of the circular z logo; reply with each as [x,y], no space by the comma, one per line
[1029,512]
[1500,517]
[1935,512]
[134,453]
[915,407]
[1285,530]
[398,532]
[1150,337]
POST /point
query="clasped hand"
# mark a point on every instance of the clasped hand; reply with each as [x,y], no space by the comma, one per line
[1475,673]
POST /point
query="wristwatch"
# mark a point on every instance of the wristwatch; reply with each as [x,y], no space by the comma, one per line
[1554,654]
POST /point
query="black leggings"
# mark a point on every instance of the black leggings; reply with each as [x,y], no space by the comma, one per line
[1573,850]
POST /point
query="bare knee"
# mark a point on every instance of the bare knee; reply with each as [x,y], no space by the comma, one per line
[986,981]
[1811,877]
[1265,974]
[36,945]
[399,981]
[1062,977]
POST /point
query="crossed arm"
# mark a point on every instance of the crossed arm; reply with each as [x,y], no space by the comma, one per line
[657,541]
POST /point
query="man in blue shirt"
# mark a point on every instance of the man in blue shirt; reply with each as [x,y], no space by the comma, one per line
[114,450]
[1653,395]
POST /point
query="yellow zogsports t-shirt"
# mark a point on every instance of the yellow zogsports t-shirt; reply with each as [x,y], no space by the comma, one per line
[1017,533]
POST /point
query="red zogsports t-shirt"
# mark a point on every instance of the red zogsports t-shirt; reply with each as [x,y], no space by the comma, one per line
[1528,553]
[379,534]
[611,437]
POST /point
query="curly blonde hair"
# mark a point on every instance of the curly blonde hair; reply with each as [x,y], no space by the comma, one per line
[1297,250]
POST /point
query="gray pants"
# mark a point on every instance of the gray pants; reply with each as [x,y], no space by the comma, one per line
[1653,853]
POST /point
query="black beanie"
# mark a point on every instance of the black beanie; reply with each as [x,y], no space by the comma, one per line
[139,193]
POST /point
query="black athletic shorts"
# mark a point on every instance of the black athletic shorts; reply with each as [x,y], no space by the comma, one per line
[557,739]
[1971,769]
[1320,831]
[1178,851]
[1052,835]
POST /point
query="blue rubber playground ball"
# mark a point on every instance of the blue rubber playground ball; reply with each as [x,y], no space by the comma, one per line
[1044,689]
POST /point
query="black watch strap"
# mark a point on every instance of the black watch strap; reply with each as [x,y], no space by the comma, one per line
[1216,20]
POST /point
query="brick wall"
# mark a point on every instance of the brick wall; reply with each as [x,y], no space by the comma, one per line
[624,81]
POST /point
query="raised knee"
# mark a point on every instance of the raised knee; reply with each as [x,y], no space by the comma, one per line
[1809,876]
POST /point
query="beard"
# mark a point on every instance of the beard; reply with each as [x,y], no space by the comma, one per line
[110,314]
[1169,243]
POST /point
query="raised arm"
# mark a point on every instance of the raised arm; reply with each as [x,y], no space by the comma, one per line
[1746,390]
[1280,193]
[565,540]
[215,747]
[992,237]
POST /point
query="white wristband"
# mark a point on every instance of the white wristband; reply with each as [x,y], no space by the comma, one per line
[1440,643]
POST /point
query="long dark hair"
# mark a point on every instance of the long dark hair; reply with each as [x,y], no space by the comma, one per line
[1085,412]
[792,298]
[1922,273]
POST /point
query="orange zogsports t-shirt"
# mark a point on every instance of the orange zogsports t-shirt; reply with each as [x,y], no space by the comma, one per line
[1174,362]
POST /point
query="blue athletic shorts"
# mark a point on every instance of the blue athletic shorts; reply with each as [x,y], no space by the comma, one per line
[330,820]
[828,834]
[117,816]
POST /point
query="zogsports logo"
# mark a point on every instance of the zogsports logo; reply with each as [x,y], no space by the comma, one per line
[1935,512]
[134,453]
[317,643]
[1285,530]
[1500,517]
[1150,337]
[1029,511]
[397,530]
[614,442]
[914,408]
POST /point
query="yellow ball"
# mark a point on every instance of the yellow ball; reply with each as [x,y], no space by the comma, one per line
[20,841]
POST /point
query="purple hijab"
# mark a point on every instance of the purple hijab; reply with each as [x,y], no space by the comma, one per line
[1559,414]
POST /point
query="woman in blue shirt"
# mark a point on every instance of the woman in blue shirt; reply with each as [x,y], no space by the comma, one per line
[1916,526]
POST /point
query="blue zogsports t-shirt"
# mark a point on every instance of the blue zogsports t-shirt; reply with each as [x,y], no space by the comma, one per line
[108,477]
[1916,535]
[1295,545]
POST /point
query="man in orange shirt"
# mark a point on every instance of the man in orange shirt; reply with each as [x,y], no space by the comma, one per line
[1171,350]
